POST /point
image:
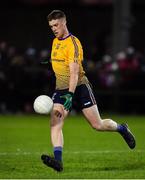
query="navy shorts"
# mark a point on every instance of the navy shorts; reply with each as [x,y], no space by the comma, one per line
[83,96]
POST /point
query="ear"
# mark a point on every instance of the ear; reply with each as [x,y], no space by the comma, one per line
[64,21]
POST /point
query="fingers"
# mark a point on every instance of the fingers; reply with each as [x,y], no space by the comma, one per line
[67,106]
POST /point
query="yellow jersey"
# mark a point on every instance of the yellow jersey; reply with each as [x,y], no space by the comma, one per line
[65,51]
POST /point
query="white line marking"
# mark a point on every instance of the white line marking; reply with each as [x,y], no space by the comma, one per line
[72,152]
[104,151]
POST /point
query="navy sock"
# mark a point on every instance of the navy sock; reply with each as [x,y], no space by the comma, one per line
[120,128]
[58,153]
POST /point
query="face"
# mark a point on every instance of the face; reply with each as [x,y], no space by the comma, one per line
[58,26]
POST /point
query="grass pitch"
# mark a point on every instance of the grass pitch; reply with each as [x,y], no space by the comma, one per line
[87,153]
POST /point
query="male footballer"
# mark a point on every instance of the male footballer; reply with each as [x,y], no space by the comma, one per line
[72,83]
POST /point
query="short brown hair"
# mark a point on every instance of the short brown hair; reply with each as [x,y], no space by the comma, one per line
[56,14]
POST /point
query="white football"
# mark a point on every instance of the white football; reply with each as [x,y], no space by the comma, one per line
[43,104]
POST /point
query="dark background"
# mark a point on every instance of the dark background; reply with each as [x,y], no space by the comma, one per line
[25,42]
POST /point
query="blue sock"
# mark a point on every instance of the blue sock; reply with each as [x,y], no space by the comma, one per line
[58,153]
[120,128]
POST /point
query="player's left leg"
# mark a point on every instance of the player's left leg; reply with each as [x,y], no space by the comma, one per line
[93,117]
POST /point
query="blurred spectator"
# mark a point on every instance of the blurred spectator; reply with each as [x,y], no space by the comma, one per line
[30,56]
[106,73]
[128,64]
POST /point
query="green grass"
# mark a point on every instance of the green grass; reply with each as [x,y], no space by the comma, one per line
[87,153]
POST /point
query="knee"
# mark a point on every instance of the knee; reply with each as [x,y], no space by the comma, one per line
[56,118]
[97,126]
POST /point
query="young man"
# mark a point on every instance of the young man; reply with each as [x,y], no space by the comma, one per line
[71,82]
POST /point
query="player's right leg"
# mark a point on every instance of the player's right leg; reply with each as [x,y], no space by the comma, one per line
[56,125]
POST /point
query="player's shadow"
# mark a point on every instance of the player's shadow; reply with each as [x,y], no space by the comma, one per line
[116,168]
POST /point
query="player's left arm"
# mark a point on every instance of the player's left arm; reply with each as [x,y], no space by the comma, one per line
[74,73]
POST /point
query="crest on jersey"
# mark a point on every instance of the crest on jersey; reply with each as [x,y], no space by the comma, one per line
[57,46]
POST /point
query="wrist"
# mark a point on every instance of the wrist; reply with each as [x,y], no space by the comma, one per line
[71,93]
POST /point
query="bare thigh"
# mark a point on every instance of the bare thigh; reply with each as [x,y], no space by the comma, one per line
[92,115]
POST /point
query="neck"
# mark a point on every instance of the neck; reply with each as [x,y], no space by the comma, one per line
[66,33]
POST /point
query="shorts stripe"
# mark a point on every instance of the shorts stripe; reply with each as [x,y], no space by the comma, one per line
[91,94]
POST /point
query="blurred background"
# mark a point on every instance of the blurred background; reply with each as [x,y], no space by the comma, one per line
[112,33]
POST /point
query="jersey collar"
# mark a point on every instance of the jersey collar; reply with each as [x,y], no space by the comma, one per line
[65,37]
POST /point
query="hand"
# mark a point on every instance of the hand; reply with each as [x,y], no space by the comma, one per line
[68,100]
[45,61]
